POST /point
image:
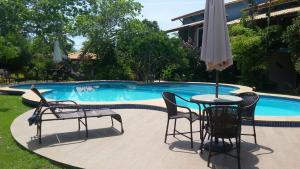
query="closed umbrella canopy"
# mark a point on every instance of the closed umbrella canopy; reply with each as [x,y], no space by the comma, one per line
[216,49]
[58,55]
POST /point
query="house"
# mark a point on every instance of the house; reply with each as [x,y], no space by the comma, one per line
[192,23]
[262,13]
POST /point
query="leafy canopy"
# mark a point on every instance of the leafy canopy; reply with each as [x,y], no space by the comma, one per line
[146,51]
[292,38]
[104,18]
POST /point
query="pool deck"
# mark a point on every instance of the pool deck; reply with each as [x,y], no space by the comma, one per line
[142,146]
[30,98]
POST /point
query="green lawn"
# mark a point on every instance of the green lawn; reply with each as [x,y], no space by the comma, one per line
[11,154]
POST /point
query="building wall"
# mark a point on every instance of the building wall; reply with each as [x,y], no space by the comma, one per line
[233,11]
[194,33]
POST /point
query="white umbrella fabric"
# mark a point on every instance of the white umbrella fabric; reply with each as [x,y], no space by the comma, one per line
[216,49]
[58,55]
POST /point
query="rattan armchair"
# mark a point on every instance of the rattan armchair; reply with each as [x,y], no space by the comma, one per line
[173,113]
[248,106]
[224,122]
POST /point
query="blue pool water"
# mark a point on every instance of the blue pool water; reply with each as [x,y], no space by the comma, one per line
[130,91]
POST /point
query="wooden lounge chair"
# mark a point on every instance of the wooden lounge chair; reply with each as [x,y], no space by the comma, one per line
[67,109]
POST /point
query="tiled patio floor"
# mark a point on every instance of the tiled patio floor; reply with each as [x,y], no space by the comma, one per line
[142,146]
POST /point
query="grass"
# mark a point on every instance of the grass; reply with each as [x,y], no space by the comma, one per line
[13,155]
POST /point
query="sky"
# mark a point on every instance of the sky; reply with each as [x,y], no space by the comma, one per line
[162,11]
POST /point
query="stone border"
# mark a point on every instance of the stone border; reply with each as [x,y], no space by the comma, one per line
[29,98]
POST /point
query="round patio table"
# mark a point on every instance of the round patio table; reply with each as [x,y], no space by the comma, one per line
[210,99]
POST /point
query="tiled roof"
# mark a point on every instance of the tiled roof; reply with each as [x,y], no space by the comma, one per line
[257,17]
[273,14]
[185,26]
[201,11]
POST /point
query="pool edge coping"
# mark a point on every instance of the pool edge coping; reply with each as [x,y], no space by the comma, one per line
[29,98]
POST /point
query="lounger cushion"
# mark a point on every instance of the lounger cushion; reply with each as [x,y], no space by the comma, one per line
[74,113]
[195,116]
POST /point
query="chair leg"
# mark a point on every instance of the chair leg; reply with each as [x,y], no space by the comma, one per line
[253,124]
[86,128]
[230,142]
[78,124]
[119,119]
[201,137]
[39,126]
[201,131]
[112,121]
[174,127]
[209,152]
[191,130]
[202,142]
[238,143]
[167,128]
[37,130]
[223,141]
[122,129]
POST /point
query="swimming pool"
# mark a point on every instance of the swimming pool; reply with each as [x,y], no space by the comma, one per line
[131,91]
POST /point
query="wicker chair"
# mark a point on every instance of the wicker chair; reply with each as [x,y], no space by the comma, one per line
[173,113]
[65,110]
[248,106]
[223,122]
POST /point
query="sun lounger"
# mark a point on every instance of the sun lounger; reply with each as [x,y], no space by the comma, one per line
[67,109]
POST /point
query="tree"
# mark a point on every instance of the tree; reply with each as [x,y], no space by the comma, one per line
[24,22]
[50,20]
[14,15]
[102,21]
[54,20]
[100,25]
[14,52]
[147,52]
[13,42]
[249,54]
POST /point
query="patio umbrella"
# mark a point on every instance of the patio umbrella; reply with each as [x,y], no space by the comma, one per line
[58,55]
[216,49]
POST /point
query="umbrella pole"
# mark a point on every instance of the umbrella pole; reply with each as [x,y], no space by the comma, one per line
[217,83]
